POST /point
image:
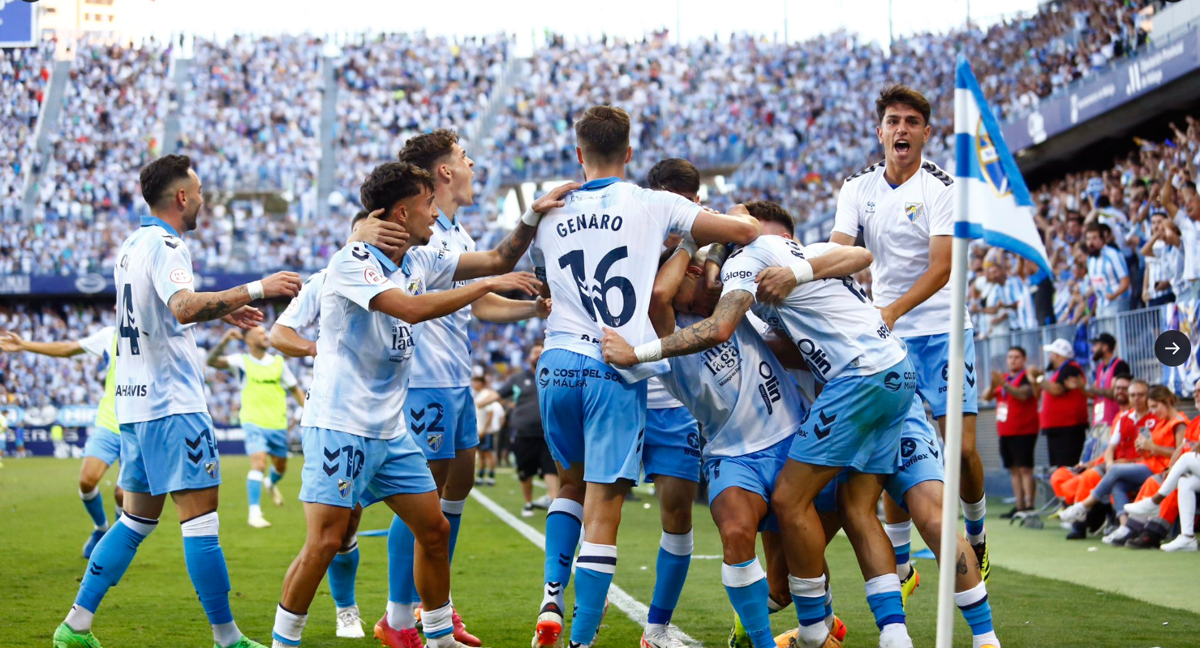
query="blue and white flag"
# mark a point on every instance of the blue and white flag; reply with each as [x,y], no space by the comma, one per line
[997,204]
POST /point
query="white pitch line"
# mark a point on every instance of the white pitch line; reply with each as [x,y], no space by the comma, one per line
[633,608]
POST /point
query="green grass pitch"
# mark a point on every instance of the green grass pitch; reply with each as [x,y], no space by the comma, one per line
[497,577]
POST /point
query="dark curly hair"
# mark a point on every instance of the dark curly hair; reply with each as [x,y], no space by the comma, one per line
[676,175]
[158,176]
[427,149]
[902,95]
[391,182]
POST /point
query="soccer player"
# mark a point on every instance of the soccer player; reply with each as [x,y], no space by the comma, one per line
[264,416]
[489,420]
[855,422]
[167,444]
[355,439]
[600,254]
[300,313]
[903,209]
[103,446]
[440,407]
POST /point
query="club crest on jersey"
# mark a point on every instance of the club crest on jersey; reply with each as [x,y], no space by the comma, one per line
[415,286]
[914,210]
[434,441]
[344,486]
[870,208]
[210,467]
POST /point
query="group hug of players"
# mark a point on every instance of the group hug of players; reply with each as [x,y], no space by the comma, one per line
[809,397]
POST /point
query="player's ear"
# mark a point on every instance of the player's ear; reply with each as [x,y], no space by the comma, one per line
[628,154]
[879,134]
[579,155]
[694,271]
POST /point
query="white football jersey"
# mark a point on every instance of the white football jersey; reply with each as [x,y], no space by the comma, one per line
[159,370]
[99,343]
[444,355]
[305,308]
[896,224]
[737,391]
[599,255]
[360,377]
[837,330]
[657,396]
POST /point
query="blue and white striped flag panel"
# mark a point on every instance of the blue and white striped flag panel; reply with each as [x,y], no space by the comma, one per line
[999,207]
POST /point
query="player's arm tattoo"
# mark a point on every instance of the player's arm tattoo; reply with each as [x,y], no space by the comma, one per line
[191,307]
[718,328]
[514,245]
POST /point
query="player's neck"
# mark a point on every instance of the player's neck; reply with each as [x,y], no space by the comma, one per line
[257,353]
[173,219]
[897,175]
[611,171]
[446,204]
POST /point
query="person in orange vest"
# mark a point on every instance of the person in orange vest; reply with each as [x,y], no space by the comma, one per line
[1159,504]
[1017,425]
[1156,450]
[1107,367]
[1064,412]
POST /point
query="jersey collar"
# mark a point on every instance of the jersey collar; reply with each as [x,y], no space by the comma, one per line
[150,221]
[383,258]
[443,221]
[599,183]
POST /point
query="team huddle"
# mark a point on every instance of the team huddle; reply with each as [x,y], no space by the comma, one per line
[679,342]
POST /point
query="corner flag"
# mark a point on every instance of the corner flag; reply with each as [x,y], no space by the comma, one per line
[999,207]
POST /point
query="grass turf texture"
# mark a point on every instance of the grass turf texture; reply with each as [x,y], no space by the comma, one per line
[497,577]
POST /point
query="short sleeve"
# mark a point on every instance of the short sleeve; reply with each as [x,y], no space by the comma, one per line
[538,260]
[303,308]
[675,213]
[846,220]
[437,267]
[236,362]
[941,213]
[100,342]
[1119,266]
[356,275]
[289,378]
[171,268]
[740,270]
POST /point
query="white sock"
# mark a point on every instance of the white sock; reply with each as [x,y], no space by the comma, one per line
[986,639]
[289,625]
[227,634]
[895,635]
[352,608]
[79,619]
[436,622]
[974,510]
[400,616]
[255,510]
[773,606]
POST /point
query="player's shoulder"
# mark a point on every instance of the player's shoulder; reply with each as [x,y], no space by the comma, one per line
[863,173]
[935,176]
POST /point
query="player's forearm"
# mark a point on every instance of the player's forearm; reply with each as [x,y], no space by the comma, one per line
[214,356]
[741,230]
[501,310]
[501,259]
[421,308]
[666,285]
[192,307]
[288,342]
[925,287]
[841,262]
[298,394]
[53,349]
[715,330]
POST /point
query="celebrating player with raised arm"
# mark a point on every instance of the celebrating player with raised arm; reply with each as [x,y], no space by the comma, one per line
[855,422]
[599,253]
[103,446]
[355,441]
[167,444]
[903,209]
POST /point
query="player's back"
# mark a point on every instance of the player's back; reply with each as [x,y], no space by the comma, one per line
[738,392]
[158,368]
[600,255]
[831,321]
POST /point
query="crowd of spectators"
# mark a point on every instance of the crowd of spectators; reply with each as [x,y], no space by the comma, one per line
[24,73]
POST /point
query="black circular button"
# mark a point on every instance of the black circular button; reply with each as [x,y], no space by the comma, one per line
[1172,348]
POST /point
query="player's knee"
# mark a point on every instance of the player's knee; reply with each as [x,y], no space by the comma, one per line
[677,519]
[434,537]
[738,541]
[327,544]
[87,482]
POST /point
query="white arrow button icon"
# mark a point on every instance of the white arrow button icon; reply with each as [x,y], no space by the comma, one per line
[1174,348]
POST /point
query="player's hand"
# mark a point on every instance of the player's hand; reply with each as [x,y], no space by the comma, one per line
[1073,382]
[890,316]
[312,349]
[11,342]
[997,377]
[542,307]
[233,334]
[387,236]
[525,281]
[1143,444]
[281,284]
[774,285]
[554,199]
[616,350]
[246,317]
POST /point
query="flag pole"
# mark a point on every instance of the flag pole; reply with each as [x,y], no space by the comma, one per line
[954,394]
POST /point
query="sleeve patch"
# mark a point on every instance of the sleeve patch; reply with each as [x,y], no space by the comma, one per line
[180,276]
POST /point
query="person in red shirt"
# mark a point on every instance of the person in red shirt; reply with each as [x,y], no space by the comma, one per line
[1064,413]
[1155,450]
[1017,425]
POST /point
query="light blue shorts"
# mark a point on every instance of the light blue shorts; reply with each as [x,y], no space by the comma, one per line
[857,420]
[103,444]
[588,410]
[672,446]
[757,473]
[442,420]
[920,455]
[341,469]
[169,454]
[930,355]
[261,439]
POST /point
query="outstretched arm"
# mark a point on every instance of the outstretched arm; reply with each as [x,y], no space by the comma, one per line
[775,284]
[287,341]
[706,334]
[191,307]
[216,357]
[12,342]
[417,309]
[502,310]
[503,258]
